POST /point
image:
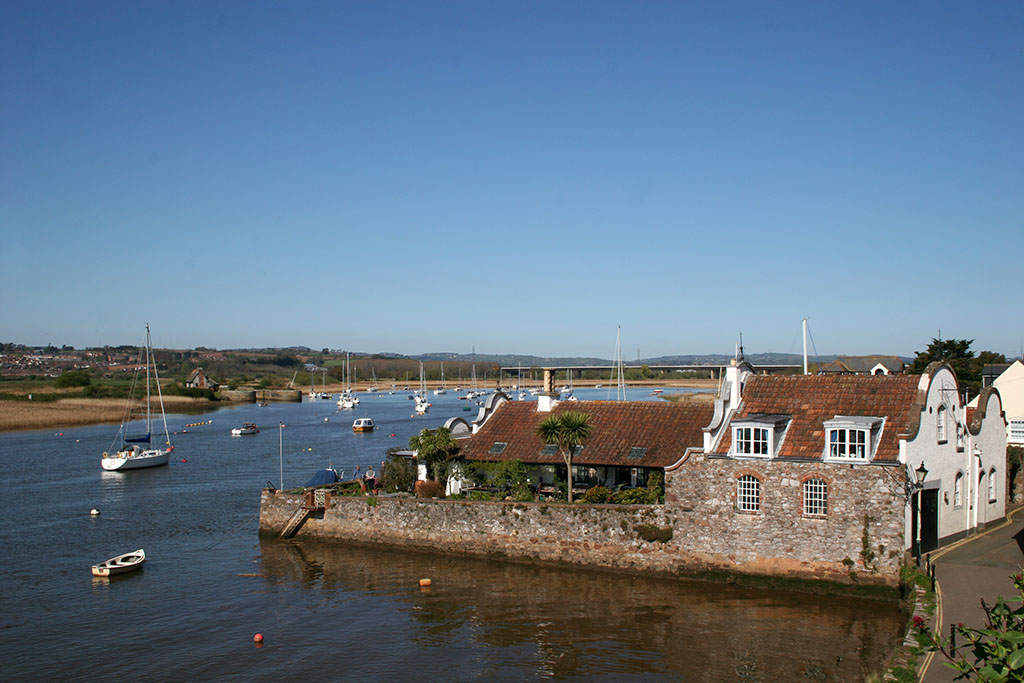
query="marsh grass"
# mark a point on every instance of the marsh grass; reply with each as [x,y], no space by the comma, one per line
[78,412]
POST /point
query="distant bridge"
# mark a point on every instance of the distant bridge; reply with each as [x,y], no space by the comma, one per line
[716,369]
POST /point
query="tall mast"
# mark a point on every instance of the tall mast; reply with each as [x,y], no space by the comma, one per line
[805,345]
[149,419]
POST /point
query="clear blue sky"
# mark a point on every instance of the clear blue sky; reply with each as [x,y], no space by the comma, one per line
[519,177]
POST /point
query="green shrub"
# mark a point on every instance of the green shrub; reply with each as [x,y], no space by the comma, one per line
[429,489]
[634,497]
[175,389]
[398,474]
[73,378]
[656,485]
[597,494]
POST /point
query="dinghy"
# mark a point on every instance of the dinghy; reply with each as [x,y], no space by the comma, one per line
[120,564]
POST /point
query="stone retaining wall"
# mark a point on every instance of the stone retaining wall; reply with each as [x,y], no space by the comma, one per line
[645,538]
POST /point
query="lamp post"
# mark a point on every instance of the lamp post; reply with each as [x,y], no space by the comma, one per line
[919,475]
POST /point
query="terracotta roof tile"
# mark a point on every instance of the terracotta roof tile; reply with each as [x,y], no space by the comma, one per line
[665,430]
[811,400]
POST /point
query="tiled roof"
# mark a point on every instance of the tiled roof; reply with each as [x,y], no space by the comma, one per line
[811,400]
[620,429]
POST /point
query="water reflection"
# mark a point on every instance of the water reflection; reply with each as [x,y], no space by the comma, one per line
[515,619]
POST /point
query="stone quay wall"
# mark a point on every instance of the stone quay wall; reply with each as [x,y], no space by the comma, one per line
[661,539]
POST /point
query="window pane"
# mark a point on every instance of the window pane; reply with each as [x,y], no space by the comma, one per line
[748,493]
[815,497]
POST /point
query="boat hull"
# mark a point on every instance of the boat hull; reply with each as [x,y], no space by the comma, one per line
[122,564]
[119,462]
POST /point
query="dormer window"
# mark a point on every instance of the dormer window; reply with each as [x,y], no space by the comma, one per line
[852,438]
[758,436]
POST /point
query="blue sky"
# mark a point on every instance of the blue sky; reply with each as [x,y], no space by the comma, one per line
[512,176]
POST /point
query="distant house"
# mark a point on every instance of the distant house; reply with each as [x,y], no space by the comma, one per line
[863,365]
[1009,381]
[197,379]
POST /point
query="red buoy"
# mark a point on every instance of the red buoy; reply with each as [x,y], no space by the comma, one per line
[258,638]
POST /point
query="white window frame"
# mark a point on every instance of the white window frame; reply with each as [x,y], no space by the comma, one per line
[992,485]
[748,493]
[959,436]
[758,436]
[958,490]
[1016,432]
[753,440]
[815,497]
[940,424]
[848,443]
[852,438]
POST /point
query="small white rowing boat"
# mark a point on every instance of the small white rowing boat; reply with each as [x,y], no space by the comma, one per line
[120,564]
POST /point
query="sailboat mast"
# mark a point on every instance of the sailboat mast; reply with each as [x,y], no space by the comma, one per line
[149,419]
[805,345]
[159,392]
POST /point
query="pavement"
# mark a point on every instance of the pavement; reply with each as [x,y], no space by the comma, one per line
[968,571]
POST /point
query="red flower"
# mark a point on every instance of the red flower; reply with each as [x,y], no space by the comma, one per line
[919,622]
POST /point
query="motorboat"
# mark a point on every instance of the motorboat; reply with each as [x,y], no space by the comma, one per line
[246,428]
[363,424]
[121,564]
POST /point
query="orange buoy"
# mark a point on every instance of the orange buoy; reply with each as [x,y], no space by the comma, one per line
[424,582]
[258,638]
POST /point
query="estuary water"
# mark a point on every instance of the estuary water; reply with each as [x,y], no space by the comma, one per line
[342,612]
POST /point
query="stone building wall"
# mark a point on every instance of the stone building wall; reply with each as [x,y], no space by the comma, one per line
[669,539]
[862,531]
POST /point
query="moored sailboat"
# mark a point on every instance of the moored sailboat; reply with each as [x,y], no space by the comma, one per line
[137,452]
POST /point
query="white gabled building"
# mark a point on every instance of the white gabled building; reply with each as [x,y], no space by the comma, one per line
[1010,384]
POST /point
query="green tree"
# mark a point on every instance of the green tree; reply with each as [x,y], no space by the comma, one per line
[957,352]
[73,378]
[435,447]
[568,431]
[398,474]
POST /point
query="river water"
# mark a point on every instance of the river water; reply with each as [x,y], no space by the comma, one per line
[342,612]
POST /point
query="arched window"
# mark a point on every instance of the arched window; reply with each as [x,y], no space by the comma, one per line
[940,424]
[748,493]
[958,490]
[815,497]
[992,485]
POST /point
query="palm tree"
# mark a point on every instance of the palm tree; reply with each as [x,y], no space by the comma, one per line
[568,431]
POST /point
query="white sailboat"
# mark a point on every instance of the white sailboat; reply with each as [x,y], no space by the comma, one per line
[348,399]
[137,452]
[422,406]
[441,390]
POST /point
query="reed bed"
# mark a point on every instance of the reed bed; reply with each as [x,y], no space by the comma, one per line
[78,412]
